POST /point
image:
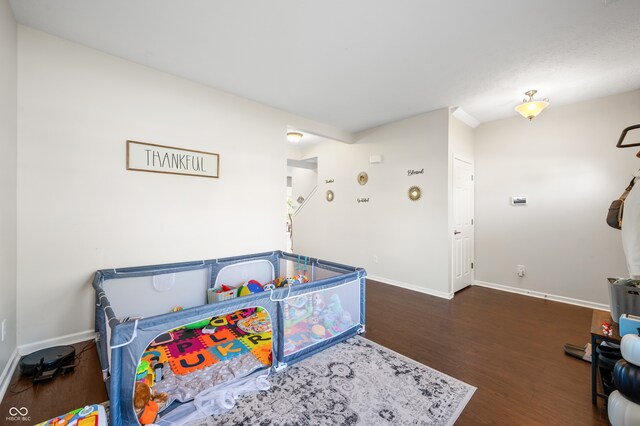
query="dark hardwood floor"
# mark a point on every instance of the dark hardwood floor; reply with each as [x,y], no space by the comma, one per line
[509,346]
[45,400]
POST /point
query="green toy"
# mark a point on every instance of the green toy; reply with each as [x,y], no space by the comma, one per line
[198,324]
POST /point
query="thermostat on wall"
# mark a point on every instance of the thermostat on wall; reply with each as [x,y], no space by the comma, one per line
[518,201]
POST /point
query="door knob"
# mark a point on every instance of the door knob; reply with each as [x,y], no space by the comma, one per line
[456,232]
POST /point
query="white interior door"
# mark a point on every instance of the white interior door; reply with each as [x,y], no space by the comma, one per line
[462,224]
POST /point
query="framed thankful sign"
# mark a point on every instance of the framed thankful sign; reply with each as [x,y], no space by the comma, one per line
[148,157]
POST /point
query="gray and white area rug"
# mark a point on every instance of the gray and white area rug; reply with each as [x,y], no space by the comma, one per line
[356,382]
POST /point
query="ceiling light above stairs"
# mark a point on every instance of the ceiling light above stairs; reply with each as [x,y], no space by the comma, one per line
[294,137]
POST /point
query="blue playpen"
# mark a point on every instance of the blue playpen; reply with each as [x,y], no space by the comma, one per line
[310,304]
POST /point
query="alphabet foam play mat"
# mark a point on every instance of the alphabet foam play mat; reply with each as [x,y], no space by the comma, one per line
[235,334]
[91,415]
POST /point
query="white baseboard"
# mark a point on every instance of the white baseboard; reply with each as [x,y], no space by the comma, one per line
[69,339]
[7,373]
[540,295]
[412,287]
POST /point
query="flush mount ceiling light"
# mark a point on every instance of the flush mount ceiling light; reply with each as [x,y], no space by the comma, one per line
[530,108]
[294,137]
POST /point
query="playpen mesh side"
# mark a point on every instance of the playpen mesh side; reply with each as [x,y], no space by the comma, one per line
[146,296]
[299,339]
[290,268]
[127,351]
[233,271]
[178,284]
[316,316]
[236,274]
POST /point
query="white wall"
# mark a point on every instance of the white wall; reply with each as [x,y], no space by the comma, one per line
[302,182]
[461,139]
[566,163]
[8,159]
[410,239]
[80,210]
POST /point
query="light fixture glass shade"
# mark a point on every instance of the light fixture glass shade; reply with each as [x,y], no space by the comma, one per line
[294,137]
[532,108]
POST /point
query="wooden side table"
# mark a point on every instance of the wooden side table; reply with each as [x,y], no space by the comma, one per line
[597,337]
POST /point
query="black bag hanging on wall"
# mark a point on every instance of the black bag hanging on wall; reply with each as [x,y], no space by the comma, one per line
[614,216]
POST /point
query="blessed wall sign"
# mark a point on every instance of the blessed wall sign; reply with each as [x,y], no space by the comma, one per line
[147,157]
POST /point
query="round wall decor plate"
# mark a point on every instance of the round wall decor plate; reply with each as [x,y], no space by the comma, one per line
[329,195]
[363,178]
[415,193]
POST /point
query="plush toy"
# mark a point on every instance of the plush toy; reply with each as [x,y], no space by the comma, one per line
[318,304]
[329,321]
[335,305]
[336,318]
[146,404]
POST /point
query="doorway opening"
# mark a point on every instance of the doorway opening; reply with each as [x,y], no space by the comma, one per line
[302,182]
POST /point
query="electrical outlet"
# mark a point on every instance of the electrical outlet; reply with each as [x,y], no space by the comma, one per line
[520,270]
[375,258]
[4,329]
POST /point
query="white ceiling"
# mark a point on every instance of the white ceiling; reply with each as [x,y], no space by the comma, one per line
[361,63]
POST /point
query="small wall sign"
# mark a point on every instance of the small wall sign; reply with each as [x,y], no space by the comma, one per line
[518,200]
[328,181]
[148,157]
[363,200]
[415,172]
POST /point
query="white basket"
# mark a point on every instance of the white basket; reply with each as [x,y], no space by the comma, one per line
[213,295]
